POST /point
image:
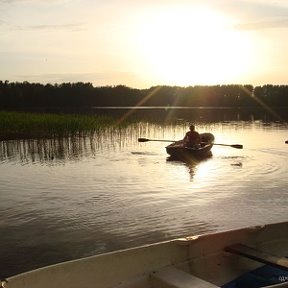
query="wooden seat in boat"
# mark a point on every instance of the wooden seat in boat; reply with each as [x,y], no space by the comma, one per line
[257,255]
[175,278]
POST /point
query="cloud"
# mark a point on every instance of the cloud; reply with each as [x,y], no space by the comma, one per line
[3,25]
[255,14]
[32,15]
[68,26]
[7,1]
[31,1]
[97,79]
[262,25]
[10,2]
[43,27]
[244,9]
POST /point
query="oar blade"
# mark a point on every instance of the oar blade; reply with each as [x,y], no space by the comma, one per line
[143,140]
[237,146]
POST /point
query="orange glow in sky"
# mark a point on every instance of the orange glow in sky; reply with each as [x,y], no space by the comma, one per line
[144,43]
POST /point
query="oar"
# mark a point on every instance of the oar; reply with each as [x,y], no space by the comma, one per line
[237,146]
[160,140]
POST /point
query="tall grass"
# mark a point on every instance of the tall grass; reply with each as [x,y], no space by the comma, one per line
[15,125]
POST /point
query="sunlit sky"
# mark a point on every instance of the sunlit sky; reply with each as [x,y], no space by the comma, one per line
[144,43]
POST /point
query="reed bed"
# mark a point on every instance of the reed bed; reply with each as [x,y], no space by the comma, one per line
[18,125]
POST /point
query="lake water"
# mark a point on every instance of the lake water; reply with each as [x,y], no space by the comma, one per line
[61,199]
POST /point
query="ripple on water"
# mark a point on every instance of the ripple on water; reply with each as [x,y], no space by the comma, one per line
[85,202]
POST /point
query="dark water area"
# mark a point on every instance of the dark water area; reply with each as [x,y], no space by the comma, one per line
[197,114]
[66,198]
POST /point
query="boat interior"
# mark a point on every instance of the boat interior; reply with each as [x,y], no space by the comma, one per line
[255,264]
[251,257]
[274,271]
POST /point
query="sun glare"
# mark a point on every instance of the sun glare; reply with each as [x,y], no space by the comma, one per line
[196,46]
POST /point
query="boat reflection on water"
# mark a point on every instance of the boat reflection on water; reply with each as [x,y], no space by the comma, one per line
[190,162]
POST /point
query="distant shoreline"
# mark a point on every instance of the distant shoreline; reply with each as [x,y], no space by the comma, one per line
[80,95]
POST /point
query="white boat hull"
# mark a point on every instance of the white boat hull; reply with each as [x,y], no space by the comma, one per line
[202,257]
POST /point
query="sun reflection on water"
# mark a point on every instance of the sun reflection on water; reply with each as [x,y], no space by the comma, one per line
[108,191]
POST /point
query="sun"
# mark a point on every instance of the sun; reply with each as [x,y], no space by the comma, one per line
[193,46]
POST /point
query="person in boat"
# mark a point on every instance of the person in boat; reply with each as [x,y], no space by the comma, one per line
[192,137]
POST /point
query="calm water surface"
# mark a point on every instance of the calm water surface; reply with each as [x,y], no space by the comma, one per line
[63,199]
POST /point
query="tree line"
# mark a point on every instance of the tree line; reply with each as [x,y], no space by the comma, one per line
[21,95]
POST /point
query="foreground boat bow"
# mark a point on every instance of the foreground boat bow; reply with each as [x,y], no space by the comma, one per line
[206,261]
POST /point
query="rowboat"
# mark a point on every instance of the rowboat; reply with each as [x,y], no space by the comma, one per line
[246,257]
[178,149]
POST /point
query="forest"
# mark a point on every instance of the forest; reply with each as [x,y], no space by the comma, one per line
[25,95]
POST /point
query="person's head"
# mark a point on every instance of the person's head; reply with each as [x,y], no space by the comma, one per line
[192,127]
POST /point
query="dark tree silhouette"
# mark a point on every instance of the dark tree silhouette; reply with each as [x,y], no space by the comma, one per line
[25,95]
